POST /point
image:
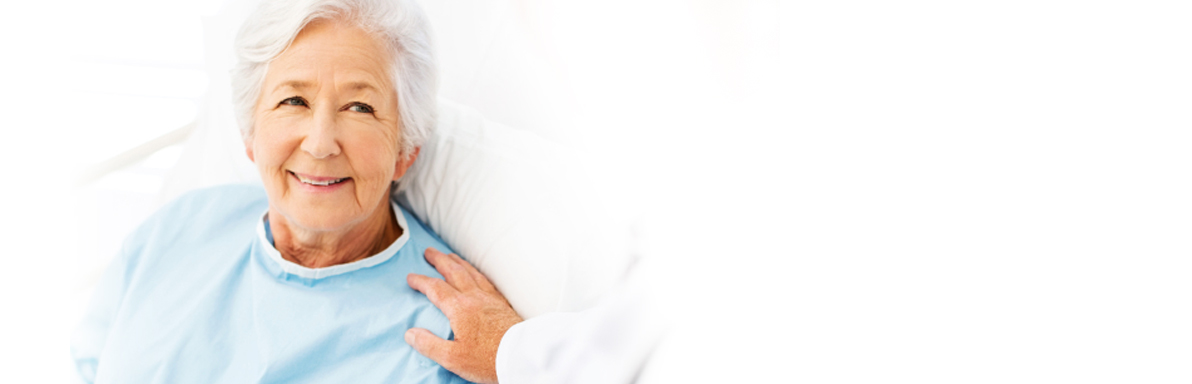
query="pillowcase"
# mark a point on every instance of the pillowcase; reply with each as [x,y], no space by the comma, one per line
[519,208]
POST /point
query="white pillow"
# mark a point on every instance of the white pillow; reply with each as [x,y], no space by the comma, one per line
[494,56]
[519,208]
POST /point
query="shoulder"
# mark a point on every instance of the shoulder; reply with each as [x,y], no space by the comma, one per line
[218,200]
[421,237]
[411,257]
[199,217]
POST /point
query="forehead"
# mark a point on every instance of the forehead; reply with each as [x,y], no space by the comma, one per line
[332,51]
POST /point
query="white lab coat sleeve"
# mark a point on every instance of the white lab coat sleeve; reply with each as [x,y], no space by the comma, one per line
[523,355]
[609,343]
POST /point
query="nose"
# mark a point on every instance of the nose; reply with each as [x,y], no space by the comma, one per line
[322,141]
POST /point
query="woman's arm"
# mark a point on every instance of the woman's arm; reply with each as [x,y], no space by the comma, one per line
[91,335]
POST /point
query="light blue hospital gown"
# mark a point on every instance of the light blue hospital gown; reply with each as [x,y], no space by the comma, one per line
[198,294]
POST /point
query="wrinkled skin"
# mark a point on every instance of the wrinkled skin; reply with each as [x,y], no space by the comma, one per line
[479,316]
[328,109]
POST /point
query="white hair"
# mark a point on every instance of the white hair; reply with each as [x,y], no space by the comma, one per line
[401,25]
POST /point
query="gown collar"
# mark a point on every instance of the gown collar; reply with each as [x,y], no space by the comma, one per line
[265,236]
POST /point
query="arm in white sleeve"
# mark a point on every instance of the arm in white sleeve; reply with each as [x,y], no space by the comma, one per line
[609,343]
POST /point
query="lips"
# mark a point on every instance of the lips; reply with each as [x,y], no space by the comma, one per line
[318,181]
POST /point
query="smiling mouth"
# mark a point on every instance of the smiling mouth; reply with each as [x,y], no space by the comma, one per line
[318,181]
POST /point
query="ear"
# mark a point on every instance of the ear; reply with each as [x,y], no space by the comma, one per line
[404,163]
[248,150]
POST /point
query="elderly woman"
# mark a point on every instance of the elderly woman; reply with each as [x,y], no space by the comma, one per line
[305,280]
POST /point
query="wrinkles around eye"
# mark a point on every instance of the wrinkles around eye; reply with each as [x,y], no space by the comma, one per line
[360,107]
[354,107]
[295,101]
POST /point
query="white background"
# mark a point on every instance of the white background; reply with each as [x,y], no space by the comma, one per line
[848,191]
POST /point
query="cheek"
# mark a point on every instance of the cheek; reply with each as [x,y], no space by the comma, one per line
[271,146]
[374,159]
[373,155]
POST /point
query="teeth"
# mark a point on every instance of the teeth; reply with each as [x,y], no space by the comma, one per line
[319,183]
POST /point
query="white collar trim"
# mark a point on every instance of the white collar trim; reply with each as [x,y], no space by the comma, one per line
[319,273]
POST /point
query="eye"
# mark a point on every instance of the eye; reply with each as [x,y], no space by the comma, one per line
[360,107]
[296,101]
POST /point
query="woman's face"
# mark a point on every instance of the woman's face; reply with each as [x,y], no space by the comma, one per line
[327,133]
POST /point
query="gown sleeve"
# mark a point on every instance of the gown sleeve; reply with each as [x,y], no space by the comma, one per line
[87,342]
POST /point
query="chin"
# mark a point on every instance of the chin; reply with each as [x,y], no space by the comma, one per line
[319,214]
[320,220]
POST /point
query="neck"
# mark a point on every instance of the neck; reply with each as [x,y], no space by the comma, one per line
[321,249]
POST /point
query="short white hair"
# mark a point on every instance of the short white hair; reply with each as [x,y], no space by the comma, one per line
[401,25]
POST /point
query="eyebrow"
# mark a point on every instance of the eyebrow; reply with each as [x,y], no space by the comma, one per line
[296,84]
[299,84]
[359,85]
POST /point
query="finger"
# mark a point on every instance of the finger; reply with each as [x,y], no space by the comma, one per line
[438,291]
[430,346]
[479,278]
[451,270]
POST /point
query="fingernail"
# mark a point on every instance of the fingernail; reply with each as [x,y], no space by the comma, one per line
[410,337]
